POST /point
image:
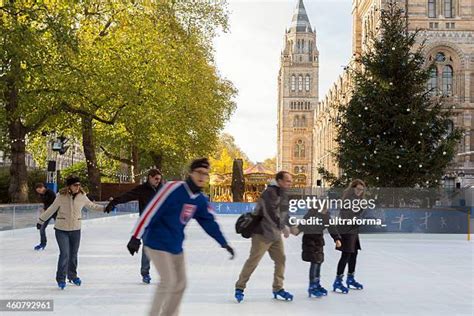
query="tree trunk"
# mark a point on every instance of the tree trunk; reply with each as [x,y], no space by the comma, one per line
[134,167]
[18,189]
[238,181]
[91,159]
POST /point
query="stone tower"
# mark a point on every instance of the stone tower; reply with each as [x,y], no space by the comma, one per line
[298,93]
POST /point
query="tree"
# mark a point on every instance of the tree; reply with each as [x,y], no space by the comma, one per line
[226,151]
[270,163]
[36,37]
[393,132]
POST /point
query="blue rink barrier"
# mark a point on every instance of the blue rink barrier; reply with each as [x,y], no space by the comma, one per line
[393,220]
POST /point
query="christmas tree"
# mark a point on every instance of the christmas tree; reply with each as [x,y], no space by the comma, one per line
[393,132]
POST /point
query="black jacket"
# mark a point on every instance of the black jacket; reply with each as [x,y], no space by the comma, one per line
[47,199]
[349,233]
[142,193]
[313,238]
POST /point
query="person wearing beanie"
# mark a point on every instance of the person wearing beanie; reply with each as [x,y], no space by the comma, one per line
[68,205]
[142,193]
[161,226]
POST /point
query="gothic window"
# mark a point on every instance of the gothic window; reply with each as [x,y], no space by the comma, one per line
[297,170]
[433,81]
[296,121]
[293,83]
[447,83]
[448,8]
[299,149]
[432,8]
[300,83]
[303,121]
[307,83]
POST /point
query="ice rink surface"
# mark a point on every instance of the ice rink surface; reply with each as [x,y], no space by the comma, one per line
[402,274]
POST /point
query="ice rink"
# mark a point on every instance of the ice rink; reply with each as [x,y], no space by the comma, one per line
[402,274]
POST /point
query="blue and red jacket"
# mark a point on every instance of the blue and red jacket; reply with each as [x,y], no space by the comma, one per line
[161,224]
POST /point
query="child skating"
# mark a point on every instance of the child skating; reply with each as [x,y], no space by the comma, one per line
[313,247]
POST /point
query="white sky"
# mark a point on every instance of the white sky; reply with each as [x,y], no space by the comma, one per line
[249,56]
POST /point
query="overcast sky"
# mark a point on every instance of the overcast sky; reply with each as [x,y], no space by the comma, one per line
[249,56]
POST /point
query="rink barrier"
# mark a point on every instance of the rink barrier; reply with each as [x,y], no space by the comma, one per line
[453,220]
[394,220]
[15,216]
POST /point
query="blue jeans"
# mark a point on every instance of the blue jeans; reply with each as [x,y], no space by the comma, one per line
[68,242]
[43,232]
[145,267]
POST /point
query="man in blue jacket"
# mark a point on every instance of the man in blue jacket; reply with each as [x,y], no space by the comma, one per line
[161,226]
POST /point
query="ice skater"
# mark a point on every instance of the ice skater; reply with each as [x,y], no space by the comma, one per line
[68,205]
[349,239]
[46,197]
[143,193]
[161,226]
[313,247]
[273,207]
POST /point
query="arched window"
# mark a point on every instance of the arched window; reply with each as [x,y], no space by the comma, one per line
[303,121]
[447,83]
[300,83]
[293,83]
[296,121]
[297,170]
[448,8]
[299,149]
[433,81]
[432,8]
[307,83]
[449,127]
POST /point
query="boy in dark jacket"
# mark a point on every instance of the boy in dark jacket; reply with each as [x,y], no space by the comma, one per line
[313,247]
[47,197]
[142,193]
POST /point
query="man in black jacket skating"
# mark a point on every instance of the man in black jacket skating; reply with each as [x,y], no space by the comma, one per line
[46,196]
[143,194]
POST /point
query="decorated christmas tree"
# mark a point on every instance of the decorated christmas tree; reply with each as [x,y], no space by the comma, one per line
[393,132]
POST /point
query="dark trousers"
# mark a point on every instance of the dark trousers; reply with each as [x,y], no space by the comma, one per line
[68,242]
[43,232]
[347,258]
[314,272]
[145,267]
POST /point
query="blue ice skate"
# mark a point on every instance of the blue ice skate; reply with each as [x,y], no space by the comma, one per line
[352,282]
[61,285]
[313,290]
[239,295]
[40,247]
[337,285]
[76,281]
[287,296]
[146,279]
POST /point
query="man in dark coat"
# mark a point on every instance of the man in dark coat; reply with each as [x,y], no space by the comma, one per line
[273,208]
[143,193]
[46,196]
